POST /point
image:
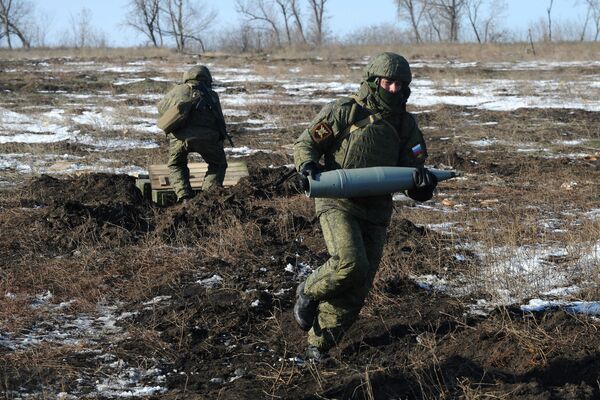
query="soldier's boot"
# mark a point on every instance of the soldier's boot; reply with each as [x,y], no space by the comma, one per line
[305,309]
[313,353]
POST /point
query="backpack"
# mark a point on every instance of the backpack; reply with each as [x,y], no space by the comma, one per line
[176,116]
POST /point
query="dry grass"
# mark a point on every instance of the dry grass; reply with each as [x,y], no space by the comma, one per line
[122,53]
[443,51]
[464,51]
[230,237]
[41,367]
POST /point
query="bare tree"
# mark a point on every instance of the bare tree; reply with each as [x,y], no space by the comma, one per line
[144,17]
[450,11]
[549,10]
[588,15]
[492,30]
[413,11]
[433,18]
[294,7]
[15,15]
[83,34]
[484,26]
[377,34]
[473,7]
[40,28]
[81,28]
[188,20]
[594,10]
[318,11]
[284,8]
[261,12]
[539,30]
[282,20]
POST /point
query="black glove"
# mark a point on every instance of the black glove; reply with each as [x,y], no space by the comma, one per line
[425,184]
[310,168]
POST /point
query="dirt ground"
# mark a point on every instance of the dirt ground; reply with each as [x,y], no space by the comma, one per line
[238,340]
[200,296]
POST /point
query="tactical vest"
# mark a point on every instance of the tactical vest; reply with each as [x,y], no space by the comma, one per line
[361,139]
[369,142]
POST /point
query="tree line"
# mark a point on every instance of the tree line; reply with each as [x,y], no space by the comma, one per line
[266,24]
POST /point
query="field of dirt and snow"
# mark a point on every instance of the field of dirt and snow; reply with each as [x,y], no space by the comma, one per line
[490,290]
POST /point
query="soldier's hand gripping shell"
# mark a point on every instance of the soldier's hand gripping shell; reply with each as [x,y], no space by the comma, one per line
[310,168]
[424,180]
[425,184]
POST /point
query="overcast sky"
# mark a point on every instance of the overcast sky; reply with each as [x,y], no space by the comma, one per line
[343,16]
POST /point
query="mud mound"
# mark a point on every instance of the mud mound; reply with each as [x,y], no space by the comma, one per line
[64,227]
[270,182]
[61,215]
[87,189]
[108,209]
[191,222]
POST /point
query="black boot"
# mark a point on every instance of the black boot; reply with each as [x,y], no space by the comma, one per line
[305,309]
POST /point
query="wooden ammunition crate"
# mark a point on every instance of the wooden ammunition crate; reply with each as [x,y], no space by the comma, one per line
[157,183]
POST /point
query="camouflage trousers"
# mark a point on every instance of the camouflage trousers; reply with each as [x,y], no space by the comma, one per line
[213,154]
[342,284]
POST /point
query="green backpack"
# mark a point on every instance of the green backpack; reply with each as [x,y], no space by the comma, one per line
[176,116]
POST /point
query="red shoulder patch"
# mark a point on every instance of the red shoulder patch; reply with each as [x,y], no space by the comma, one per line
[320,132]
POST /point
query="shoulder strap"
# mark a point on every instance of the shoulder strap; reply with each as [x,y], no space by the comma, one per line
[371,119]
[354,125]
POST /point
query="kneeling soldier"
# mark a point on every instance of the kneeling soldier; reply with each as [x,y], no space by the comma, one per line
[203,133]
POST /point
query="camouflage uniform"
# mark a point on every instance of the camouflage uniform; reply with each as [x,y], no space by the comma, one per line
[204,132]
[354,229]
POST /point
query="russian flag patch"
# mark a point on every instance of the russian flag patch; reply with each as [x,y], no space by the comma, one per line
[418,151]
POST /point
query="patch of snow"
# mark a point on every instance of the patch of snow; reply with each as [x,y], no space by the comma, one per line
[431,282]
[127,81]
[575,307]
[211,282]
[562,291]
[444,227]
[243,151]
[504,94]
[130,382]
[575,142]
[156,300]
[483,142]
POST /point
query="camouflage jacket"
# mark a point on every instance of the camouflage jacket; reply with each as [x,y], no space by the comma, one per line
[206,122]
[336,138]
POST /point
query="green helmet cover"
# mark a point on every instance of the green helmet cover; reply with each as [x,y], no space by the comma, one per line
[197,73]
[388,65]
